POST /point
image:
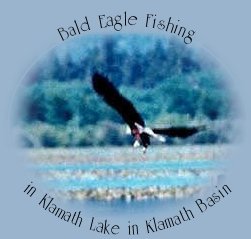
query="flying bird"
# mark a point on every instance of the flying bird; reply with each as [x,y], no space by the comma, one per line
[105,89]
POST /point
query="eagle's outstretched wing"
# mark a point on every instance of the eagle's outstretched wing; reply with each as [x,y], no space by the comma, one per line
[131,116]
[181,132]
[113,98]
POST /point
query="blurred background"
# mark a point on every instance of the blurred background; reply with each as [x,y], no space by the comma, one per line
[169,83]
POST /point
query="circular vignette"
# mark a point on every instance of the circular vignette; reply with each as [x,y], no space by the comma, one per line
[77,143]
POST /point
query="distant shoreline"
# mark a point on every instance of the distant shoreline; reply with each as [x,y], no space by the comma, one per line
[126,154]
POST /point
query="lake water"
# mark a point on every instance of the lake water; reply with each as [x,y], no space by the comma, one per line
[161,173]
[88,178]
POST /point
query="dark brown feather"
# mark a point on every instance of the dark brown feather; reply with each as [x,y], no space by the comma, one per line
[181,132]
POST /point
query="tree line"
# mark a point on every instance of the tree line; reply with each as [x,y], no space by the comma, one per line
[169,84]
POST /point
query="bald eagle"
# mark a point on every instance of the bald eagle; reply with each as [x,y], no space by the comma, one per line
[105,89]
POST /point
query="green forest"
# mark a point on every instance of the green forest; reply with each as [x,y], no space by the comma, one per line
[169,83]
